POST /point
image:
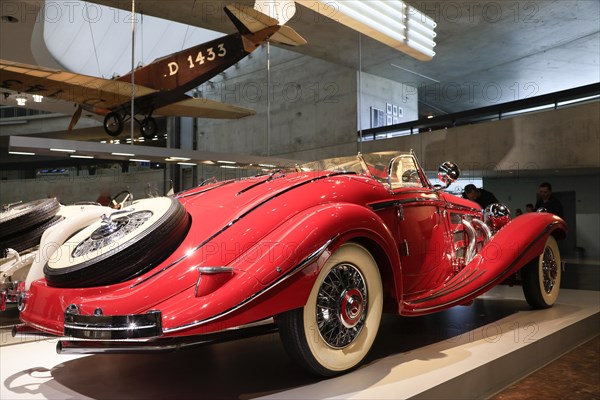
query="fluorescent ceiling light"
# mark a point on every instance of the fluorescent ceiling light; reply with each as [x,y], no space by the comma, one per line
[177,159]
[138,160]
[226,162]
[77,156]
[229,166]
[63,150]
[187,163]
[391,22]
[267,165]
[579,100]
[38,98]
[123,154]
[21,153]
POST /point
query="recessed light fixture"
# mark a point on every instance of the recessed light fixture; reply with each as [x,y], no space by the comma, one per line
[138,160]
[78,156]
[63,150]
[226,162]
[229,166]
[21,153]
[187,163]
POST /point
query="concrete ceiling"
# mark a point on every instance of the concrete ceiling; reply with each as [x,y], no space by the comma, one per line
[488,52]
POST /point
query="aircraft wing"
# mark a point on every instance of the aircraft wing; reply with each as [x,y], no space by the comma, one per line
[81,89]
[204,108]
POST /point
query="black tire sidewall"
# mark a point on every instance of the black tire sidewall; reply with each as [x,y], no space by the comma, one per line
[146,249]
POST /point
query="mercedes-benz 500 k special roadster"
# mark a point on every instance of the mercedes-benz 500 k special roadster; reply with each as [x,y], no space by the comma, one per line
[317,252]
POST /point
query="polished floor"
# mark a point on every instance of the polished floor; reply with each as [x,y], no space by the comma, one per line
[480,349]
[574,376]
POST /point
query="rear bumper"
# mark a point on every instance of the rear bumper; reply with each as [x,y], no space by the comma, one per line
[111,327]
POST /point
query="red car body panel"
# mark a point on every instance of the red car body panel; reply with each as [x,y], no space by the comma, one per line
[276,232]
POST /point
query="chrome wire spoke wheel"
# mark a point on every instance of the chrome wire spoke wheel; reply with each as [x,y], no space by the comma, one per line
[549,270]
[110,232]
[542,275]
[333,332]
[341,306]
[119,246]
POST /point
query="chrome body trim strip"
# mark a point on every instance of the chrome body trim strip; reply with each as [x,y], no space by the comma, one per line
[183,196]
[189,253]
[210,271]
[306,262]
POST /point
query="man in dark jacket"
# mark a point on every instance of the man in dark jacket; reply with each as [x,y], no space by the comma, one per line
[547,201]
[480,196]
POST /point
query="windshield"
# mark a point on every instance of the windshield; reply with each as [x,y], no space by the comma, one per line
[403,165]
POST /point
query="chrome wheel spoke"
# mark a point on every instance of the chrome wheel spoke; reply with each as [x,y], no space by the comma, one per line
[341,305]
[549,270]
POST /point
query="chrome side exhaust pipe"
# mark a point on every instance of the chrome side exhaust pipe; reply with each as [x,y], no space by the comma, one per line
[26,330]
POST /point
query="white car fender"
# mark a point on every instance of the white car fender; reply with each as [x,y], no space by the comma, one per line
[76,217]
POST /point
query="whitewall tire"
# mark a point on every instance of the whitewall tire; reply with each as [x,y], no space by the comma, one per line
[336,328]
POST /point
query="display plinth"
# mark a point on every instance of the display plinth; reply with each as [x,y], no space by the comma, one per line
[465,352]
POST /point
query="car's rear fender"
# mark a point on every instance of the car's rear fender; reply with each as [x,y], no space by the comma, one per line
[277,273]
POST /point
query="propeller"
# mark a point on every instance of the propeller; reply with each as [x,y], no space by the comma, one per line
[75,118]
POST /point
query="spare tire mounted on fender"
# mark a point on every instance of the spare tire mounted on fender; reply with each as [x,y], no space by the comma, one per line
[120,246]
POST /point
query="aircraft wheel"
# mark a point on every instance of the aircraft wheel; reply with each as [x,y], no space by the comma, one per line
[113,124]
[541,277]
[149,128]
[334,331]
[119,247]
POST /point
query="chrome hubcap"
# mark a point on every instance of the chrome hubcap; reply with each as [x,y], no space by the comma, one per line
[341,306]
[110,232]
[549,270]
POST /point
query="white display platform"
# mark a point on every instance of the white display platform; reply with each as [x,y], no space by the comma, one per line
[465,352]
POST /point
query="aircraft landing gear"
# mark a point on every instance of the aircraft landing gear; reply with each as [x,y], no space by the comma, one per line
[113,124]
[148,126]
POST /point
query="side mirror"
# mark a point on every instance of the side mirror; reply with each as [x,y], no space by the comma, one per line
[448,173]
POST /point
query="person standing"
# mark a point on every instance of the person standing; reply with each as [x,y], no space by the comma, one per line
[548,201]
[481,196]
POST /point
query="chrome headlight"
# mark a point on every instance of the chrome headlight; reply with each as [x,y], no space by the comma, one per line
[496,216]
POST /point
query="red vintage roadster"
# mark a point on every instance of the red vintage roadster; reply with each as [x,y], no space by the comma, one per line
[317,252]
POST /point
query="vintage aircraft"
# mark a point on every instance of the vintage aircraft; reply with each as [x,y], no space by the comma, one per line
[160,87]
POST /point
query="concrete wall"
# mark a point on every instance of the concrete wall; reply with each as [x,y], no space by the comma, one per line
[514,156]
[562,139]
[379,92]
[71,188]
[312,107]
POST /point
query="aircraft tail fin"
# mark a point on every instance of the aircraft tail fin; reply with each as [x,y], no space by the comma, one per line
[251,20]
